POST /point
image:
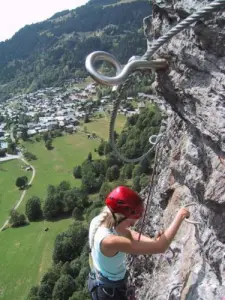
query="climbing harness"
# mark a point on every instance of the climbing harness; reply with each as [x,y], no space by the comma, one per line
[109,288]
[124,77]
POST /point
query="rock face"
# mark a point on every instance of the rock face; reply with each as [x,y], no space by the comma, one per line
[191,164]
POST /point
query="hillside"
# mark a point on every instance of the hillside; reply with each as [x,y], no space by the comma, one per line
[50,52]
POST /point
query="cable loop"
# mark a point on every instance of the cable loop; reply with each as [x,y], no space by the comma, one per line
[154,139]
[191,221]
[134,63]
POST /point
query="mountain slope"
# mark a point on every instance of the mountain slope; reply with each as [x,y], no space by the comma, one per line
[49,52]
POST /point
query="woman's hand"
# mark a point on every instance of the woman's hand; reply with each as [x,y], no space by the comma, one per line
[184,212]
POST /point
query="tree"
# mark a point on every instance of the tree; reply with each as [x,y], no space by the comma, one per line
[51,190]
[112,160]
[11,148]
[69,244]
[78,295]
[75,266]
[105,190]
[145,164]
[69,201]
[25,179]
[48,282]
[33,208]
[45,292]
[107,148]
[90,183]
[128,169]
[16,219]
[66,269]
[45,136]
[50,279]
[136,184]
[64,186]
[89,156]
[2,152]
[115,172]
[20,182]
[101,148]
[33,293]
[51,207]
[109,175]
[77,214]
[48,144]
[86,118]
[99,167]
[137,171]
[77,172]
[64,288]
[24,135]
[82,277]
[29,156]
[144,180]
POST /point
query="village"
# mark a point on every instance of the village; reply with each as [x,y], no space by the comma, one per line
[56,108]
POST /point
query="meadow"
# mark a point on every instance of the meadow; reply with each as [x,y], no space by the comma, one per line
[26,252]
[9,193]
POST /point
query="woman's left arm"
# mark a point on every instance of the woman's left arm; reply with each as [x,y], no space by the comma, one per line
[135,236]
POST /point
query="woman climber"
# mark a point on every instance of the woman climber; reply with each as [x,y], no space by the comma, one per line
[110,239]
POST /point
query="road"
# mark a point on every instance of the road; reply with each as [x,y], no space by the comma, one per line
[24,192]
[9,157]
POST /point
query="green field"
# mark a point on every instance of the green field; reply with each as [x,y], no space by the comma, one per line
[56,165]
[25,253]
[9,193]
[101,126]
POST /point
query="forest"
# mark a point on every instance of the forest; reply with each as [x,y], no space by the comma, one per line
[54,51]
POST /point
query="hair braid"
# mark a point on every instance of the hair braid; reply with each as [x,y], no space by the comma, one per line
[103,215]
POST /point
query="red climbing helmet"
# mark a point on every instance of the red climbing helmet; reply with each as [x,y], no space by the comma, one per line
[125,201]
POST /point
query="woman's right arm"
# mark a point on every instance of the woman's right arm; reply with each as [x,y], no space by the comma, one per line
[123,244]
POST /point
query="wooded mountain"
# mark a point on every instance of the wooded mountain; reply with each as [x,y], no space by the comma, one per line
[50,52]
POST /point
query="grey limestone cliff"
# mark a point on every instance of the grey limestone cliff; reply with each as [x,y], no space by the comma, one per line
[191,164]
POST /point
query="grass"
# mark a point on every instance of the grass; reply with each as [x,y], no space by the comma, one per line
[26,252]
[25,255]
[56,165]
[9,193]
[101,126]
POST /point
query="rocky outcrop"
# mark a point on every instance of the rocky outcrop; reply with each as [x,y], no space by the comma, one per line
[191,164]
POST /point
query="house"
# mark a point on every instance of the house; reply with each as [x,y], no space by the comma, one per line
[3,145]
[31,132]
[141,106]
[52,125]
[19,134]
[3,126]
[43,130]
[7,135]
[69,128]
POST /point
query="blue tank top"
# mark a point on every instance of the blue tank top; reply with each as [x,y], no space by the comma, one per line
[113,267]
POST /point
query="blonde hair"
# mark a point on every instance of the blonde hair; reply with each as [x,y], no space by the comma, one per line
[109,221]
